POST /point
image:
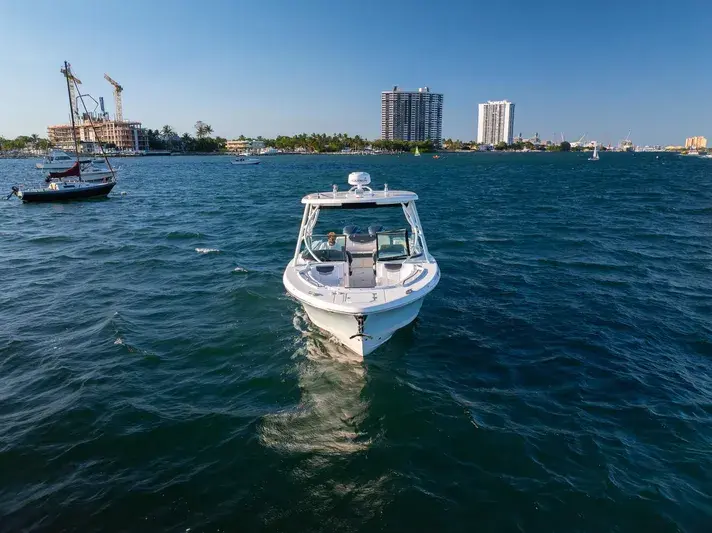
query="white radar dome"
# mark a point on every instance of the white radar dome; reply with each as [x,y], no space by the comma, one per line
[359,179]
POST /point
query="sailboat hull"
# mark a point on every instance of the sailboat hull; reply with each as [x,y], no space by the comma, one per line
[79,193]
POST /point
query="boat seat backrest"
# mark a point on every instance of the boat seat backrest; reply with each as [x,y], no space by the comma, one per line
[362,238]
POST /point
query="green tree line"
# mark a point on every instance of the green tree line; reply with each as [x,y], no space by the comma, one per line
[322,142]
[33,141]
[168,139]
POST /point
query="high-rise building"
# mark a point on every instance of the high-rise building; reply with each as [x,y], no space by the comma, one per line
[696,142]
[412,115]
[495,122]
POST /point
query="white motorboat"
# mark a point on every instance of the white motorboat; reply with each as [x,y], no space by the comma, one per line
[90,173]
[246,161]
[58,161]
[361,286]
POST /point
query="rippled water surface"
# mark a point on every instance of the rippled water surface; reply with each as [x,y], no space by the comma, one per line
[155,376]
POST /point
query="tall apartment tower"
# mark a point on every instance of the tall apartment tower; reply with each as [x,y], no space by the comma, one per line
[495,122]
[412,115]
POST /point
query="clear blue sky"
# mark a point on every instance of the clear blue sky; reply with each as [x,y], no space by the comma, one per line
[264,68]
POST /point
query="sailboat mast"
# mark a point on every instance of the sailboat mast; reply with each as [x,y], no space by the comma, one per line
[68,74]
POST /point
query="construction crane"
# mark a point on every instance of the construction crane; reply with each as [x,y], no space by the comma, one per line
[72,92]
[118,89]
[578,143]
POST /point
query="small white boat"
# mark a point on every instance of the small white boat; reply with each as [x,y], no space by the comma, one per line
[246,161]
[58,161]
[89,173]
[594,157]
[361,286]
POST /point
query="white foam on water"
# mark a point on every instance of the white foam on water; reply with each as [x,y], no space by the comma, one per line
[239,269]
[207,250]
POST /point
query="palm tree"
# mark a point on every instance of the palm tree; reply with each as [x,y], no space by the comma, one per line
[208,129]
[200,129]
[167,132]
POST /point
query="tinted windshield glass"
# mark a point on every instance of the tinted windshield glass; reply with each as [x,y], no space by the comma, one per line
[325,248]
[393,245]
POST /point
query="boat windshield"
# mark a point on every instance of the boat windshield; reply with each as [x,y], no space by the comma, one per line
[392,245]
[324,248]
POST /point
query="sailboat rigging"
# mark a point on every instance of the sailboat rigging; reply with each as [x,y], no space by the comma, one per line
[69,184]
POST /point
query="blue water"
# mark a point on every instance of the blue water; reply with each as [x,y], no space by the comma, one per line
[154,375]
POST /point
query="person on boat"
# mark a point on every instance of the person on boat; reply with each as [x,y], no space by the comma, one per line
[330,243]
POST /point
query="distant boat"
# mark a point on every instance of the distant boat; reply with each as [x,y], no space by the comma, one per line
[58,161]
[594,157]
[417,152]
[436,157]
[246,161]
[89,173]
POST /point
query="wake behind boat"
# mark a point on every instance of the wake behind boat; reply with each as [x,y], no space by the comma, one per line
[361,286]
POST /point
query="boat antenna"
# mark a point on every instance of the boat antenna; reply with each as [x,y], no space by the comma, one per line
[96,135]
[68,75]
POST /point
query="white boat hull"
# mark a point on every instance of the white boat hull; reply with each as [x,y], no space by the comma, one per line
[247,162]
[364,333]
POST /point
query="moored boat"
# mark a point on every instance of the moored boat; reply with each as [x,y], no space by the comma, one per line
[59,161]
[58,191]
[246,161]
[361,287]
[69,184]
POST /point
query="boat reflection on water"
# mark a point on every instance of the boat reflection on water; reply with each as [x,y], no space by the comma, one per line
[326,421]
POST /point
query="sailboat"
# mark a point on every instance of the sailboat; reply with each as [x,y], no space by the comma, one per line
[594,157]
[68,184]
[417,152]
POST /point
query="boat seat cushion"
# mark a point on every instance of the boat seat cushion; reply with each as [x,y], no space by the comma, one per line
[351,229]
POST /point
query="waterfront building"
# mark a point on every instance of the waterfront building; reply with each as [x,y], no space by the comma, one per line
[412,115]
[495,122]
[244,145]
[696,142]
[125,135]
